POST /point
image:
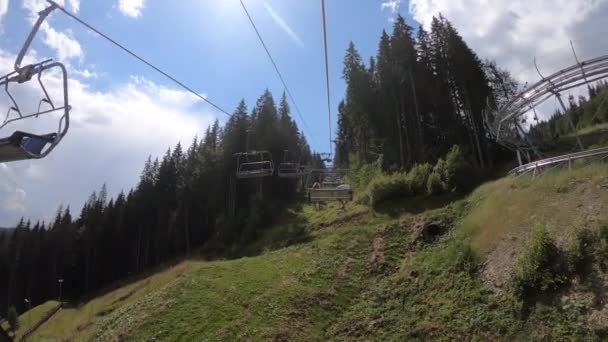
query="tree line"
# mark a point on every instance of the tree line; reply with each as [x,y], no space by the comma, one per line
[186,200]
[423,92]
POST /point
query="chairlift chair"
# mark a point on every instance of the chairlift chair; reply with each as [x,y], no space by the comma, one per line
[329,186]
[288,169]
[24,145]
[261,167]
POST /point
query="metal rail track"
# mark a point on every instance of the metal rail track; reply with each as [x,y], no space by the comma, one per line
[541,165]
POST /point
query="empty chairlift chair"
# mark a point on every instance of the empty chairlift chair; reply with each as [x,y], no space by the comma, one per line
[255,164]
[23,145]
[289,169]
[327,186]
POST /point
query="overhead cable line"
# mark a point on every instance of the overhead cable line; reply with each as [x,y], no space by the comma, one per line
[326,71]
[122,47]
[276,68]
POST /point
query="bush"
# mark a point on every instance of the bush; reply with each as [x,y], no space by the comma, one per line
[436,184]
[458,172]
[361,174]
[541,268]
[418,178]
[388,187]
[13,318]
[582,252]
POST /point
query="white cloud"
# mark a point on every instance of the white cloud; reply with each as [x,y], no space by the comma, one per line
[3,9]
[64,44]
[513,32]
[111,134]
[86,73]
[131,8]
[392,5]
[75,5]
[283,25]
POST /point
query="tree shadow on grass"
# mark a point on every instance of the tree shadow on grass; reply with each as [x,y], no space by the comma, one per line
[289,228]
[417,205]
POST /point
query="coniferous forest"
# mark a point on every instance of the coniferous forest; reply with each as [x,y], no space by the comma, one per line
[423,93]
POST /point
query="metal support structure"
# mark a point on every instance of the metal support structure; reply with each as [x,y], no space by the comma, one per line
[519,157]
[503,123]
[565,109]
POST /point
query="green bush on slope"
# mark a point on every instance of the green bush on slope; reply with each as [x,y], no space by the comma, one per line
[542,267]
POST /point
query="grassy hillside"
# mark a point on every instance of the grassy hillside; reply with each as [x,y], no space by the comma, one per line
[416,269]
[31,317]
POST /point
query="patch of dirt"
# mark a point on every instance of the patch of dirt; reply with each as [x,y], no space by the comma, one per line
[84,326]
[425,231]
[281,337]
[377,261]
[353,218]
[105,311]
[589,295]
[342,273]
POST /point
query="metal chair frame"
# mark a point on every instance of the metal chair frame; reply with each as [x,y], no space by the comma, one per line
[25,74]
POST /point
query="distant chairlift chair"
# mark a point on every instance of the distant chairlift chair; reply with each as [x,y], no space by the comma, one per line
[262,166]
[22,145]
[330,188]
[289,169]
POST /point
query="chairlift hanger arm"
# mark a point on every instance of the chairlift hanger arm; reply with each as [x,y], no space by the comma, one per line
[28,42]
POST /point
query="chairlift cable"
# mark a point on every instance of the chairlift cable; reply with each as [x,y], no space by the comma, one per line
[326,70]
[276,68]
[122,47]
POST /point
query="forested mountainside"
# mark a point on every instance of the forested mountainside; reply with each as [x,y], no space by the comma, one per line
[422,94]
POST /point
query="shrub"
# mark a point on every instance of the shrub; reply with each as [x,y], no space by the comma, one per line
[13,318]
[458,172]
[436,182]
[602,248]
[388,187]
[582,252]
[361,174]
[541,268]
[418,178]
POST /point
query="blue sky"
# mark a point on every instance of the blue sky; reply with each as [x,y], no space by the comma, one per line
[123,111]
[211,46]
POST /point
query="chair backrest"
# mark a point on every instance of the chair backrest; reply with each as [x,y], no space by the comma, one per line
[255,170]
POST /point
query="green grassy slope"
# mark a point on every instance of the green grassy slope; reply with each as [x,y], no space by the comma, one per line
[31,317]
[362,275]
